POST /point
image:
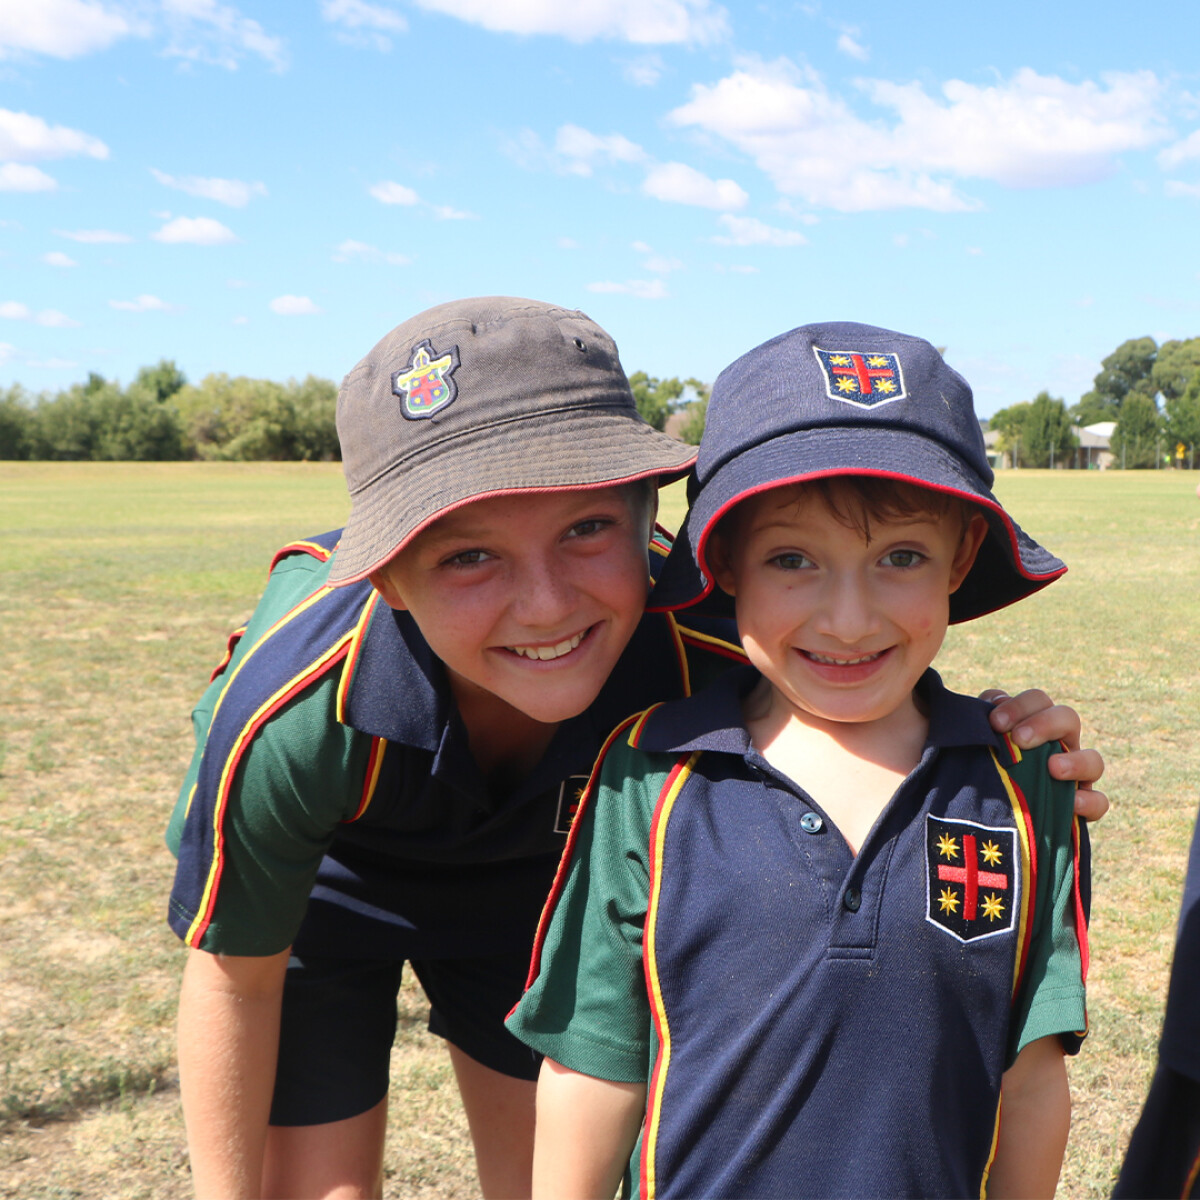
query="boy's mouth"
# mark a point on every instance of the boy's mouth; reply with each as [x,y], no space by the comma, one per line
[832,660]
[547,653]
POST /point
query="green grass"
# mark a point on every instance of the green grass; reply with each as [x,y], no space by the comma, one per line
[120,584]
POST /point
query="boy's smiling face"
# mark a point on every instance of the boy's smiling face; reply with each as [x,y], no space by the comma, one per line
[842,627]
[530,597]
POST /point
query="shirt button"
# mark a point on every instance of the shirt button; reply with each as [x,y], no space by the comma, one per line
[811,823]
[852,900]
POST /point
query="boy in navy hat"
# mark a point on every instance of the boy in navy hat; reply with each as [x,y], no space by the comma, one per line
[819,931]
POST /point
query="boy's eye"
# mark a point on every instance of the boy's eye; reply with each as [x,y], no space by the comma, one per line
[903,558]
[792,561]
[589,527]
[466,558]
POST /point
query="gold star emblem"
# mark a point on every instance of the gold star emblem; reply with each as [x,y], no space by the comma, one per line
[990,853]
[839,360]
[846,384]
[884,385]
[947,846]
[877,360]
[948,901]
[993,907]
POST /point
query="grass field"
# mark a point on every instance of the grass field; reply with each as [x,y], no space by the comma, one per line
[120,584]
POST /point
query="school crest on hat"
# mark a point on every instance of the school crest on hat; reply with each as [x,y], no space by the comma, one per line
[973,883]
[865,378]
[427,385]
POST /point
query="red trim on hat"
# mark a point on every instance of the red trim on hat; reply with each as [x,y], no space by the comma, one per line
[667,476]
[701,549]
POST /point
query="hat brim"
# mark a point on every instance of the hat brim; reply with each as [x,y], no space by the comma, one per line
[571,449]
[1009,566]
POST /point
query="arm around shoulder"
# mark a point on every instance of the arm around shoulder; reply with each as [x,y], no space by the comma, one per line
[1035,1119]
[228,1041]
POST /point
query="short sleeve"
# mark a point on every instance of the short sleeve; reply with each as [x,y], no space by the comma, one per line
[1051,991]
[586,1005]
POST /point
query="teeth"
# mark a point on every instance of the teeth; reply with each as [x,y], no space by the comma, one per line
[843,662]
[545,653]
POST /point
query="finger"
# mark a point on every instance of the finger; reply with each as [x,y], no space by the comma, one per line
[1012,710]
[1090,804]
[1083,766]
[1058,723]
[994,695]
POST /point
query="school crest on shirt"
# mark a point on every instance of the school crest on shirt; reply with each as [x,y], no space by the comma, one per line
[973,884]
[861,377]
[570,793]
[427,384]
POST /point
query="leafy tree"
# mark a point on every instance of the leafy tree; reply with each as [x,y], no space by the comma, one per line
[67,426]
[315,404]
[1135,440]
[16,422]
[1183,419]
[1127,369]
[654,397]
[1047,432]
[1177,365]
[1010,423]
[692,429]
[134,427]
[158,383]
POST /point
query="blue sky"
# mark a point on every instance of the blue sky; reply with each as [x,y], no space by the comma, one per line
[267,188]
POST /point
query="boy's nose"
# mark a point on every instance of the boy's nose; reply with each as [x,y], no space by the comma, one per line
[543,598]
[846,612]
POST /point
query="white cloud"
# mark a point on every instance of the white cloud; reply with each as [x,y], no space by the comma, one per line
[233,192]
[582,150]
[26,138]
[14,310]
[1180,152]
[197,231]
[848,45]
[657,264]
[388,192]
[647,22]
[678,183]
[750,231]
[643,289]
[7,350]
[93,237]
[19,177]
[645,71]
[1190,190]
[293,306]
[144,303]
[217,34]
[59,28]
[56,258]
[53,319]
[350,250]
[1031,131]
[241,320]
[566,243]
[363,24]
[443,212]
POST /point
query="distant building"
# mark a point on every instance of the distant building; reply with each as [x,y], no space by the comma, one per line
[1094,445]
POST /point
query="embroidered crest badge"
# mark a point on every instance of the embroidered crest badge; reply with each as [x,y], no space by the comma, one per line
[973,882]
[427,385]
[862,379]
[570,793]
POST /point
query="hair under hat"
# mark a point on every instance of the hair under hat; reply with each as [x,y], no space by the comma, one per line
[848,399]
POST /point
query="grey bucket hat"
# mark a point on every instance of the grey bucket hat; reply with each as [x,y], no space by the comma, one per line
[478,398]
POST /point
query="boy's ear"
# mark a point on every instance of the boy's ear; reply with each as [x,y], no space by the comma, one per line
[382,583]
[968,550]
[718,562]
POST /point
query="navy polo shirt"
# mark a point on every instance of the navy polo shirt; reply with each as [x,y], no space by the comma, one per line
[810,1022]
[333,803]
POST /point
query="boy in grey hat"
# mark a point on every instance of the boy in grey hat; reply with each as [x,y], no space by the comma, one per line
[388,760]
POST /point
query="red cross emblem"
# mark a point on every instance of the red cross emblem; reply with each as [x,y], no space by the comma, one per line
[973,885]
[862,377]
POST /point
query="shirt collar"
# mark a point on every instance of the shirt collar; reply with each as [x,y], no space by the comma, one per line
[712,720]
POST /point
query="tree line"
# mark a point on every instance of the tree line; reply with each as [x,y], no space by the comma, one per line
[1151,392]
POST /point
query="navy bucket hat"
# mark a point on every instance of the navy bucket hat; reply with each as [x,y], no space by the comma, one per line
[847,399]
